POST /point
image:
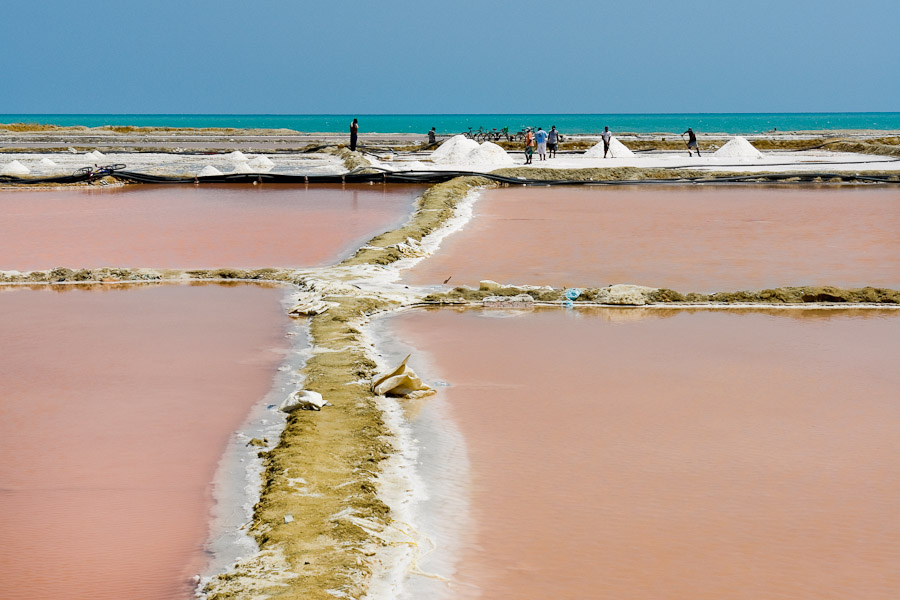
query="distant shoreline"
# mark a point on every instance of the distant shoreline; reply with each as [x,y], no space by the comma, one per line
[419,124]
[21,137]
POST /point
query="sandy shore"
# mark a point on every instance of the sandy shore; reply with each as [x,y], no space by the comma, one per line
[285,140]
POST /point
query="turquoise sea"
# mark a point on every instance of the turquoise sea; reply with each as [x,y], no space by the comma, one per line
[733,123]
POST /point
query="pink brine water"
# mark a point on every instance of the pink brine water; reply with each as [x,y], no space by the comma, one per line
[184,226]
[115,410]
[622,453]
[690,239]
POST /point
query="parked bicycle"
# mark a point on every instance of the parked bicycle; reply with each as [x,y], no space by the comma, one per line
[491,135]
[98,172]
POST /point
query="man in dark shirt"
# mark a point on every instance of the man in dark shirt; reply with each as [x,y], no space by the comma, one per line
[354,130]
[691,141]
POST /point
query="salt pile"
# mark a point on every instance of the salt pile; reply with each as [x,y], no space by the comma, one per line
[237,156]
[15,168]
[738,147]
[616,149]
[97,155]
[461,150]
[46,162]
[261,162]
[209,171]
[242,167]
[454,150]
[490,153]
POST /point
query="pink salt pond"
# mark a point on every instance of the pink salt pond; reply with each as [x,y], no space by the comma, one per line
[117,405]
[646,454]
[690,239]
[206,226]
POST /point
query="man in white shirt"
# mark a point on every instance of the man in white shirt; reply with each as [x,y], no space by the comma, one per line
[606,135]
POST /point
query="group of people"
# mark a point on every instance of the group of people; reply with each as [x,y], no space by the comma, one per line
[540,142]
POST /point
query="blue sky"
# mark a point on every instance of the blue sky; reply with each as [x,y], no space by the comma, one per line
[455,56]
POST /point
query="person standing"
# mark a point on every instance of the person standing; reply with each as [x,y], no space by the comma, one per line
[552,141]
[432,136]
[529,146]
[691,141]
[541,138]
[354,131]
[607,136]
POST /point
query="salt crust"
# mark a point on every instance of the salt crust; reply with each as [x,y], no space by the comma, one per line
[738,147]
[616,149]
[209,171]
[15,168]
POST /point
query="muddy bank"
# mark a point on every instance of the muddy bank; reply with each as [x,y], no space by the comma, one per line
[632,295]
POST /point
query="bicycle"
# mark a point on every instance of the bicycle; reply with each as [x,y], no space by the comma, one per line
[97,172]
[516,137]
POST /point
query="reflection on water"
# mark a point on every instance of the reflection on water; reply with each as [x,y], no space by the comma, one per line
[683,454]
[116,408]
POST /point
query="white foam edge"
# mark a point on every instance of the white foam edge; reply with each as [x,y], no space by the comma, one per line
[400,574]
[237,482]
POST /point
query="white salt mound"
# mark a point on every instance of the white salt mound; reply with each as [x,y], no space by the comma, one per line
[237,155]
[15,168]
[97,155]
[242,167]
[261,162]
[46,162]
[454,150]
[489,153]
[209,171]
[738,147]
[616,149]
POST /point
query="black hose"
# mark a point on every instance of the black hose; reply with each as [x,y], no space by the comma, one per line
[378,175]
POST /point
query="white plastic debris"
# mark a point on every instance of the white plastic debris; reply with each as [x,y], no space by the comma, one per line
[402,381]
[303,400]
